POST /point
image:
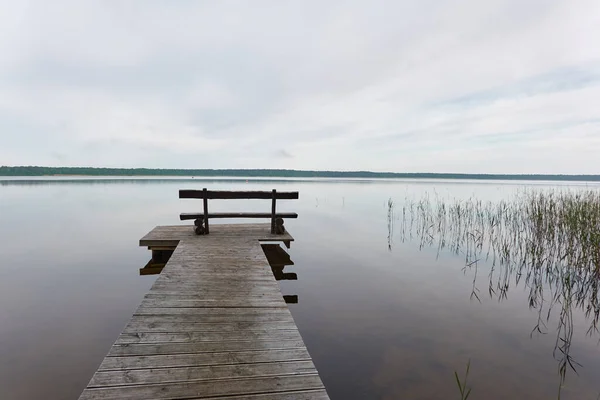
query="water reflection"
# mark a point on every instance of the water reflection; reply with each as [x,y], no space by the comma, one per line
[545,241]
[84,180]
[390,223]
[378,324]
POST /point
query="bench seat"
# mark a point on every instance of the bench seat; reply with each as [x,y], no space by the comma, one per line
[187,216]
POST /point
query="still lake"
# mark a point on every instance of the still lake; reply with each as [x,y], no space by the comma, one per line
[383,318]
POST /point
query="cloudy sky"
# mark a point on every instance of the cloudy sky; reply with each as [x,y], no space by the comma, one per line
[496,86]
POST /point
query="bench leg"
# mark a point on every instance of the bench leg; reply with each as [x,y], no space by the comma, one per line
[279,228]
[199,227]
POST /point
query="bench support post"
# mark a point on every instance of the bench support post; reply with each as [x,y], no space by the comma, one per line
[205,212]
[273,213]
[202,225]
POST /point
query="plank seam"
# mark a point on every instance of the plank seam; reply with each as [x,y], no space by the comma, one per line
[197,365]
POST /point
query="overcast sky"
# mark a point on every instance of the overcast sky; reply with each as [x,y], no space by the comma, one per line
[496,86]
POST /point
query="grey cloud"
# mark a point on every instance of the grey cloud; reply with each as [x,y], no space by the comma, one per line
[565,79]
[225,84]
[282,153]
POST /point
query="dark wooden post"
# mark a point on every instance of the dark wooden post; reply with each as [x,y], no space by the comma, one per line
[156,256]
[273,213]
[205,211]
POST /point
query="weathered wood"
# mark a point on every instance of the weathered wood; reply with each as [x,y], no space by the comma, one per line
[205,202]
[239,302]
[273,209]
[229,274]
[213,294]
[149,349]
[318,394]
[195,312]
[205,195]
[188,216]
[171,235]
[243,279]
[206,389]
[221,318]
[201,359]
[193,337]
[237,286]
[224,195]
[187,374]
[171,248]
[140,324]
[213,325]
[210,295]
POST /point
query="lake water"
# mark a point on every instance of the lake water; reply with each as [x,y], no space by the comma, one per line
[381,317]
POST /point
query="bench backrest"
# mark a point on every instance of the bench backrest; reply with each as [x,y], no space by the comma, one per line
[229,195]
[206,195]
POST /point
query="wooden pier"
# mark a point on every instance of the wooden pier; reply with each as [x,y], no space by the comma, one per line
[214,325]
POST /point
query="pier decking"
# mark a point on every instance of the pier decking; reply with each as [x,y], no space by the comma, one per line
[214,325]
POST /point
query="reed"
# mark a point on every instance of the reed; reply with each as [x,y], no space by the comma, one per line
[547,240]
[464,390]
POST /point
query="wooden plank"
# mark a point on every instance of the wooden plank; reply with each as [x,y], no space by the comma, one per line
[215,295]
[171,248]
[224,195]
[236,287]
[200,359]
[188,216]
[240,302]
[143,324]
[204,389]
[280,311]
[187,374]
[211,319]
[227,274]
[188,337]
[171,235]
[242,279]
[319,394]
[149,349]
[213,325]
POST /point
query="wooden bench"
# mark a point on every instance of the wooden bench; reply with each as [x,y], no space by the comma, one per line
[201,226]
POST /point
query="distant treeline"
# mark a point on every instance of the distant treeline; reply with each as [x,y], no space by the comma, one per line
[279,173]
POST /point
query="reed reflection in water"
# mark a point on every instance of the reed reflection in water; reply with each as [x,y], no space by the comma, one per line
[546,241]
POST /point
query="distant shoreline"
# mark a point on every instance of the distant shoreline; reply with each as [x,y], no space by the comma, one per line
[32,171]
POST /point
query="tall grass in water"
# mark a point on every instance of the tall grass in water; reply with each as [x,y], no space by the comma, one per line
[547,240]
[464,390]
[390,222]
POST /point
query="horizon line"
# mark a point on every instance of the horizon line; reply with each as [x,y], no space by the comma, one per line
[40,171]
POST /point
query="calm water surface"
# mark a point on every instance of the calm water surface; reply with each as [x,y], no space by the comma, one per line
[380,323]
